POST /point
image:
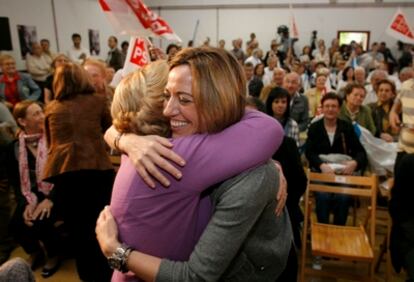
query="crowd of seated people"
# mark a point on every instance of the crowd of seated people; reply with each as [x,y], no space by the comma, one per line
[315,95]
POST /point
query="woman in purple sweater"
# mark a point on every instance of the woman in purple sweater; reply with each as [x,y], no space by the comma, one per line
[212,132]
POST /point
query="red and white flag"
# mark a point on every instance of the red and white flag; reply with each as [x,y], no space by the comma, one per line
[399,28]
[137,55]
[134,18]
[294,32]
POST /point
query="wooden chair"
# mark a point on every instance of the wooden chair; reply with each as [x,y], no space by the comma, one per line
[346,243]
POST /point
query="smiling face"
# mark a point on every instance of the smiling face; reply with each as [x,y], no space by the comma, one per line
[34,119]
[8,66]
[179,104]
[320,82]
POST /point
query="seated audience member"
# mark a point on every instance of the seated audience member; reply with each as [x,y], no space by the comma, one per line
[306,56]
[77,53]
[114,59]
[392,74]
[406,73]
[254,84]
[331,135]
[277,106]
[230,202]
[255,58]
[38,65]
[322,55]
[352,109]
[360,75]
[372,88]
[299,105]
[58,61]
[35,214]
[45,44]
[16,270]
[259,71]
[16,86]
[272,63]
[8,125]
[97,72]
[380,111]
[347,77]
[315,95]
[277,80]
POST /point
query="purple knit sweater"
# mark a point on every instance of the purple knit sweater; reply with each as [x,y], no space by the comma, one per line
[167,222]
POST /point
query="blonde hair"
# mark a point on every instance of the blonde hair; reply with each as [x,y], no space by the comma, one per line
[57,57]
[138,101]
[6,57]
[99,64]
[218,86]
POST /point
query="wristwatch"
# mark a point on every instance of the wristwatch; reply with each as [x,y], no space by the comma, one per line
[118,260]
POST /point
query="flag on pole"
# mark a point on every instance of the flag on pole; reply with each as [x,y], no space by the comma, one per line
[134,18]
[293,26]
[399,28]
[137,55]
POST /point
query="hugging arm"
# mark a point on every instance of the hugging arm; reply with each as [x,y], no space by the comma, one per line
[255,131]
[234,217]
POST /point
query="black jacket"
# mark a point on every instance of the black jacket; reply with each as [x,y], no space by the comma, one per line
[345,142]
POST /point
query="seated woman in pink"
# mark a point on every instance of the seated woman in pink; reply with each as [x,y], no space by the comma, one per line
[211,132]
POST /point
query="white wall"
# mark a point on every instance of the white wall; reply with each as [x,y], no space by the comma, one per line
[32,13]
[229,24]
[71,16]
[219,19]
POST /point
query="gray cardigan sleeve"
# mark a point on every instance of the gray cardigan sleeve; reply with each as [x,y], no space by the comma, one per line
[238,202]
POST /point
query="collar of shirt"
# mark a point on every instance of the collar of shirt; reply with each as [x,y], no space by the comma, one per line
[10,79]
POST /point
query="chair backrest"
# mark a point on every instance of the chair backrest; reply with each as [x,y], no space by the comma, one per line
[360,186]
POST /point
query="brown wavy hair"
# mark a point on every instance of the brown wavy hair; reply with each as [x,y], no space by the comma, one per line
[71,80]
[138,101]
[219,86]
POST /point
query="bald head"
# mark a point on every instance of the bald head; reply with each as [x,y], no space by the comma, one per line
[291,83]
[278,76]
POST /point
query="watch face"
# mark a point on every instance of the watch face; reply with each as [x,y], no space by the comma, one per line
[114,263]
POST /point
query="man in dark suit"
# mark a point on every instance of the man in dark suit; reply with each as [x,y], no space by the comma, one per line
[114,59]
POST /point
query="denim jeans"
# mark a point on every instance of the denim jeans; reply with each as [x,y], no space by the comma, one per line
[337,203]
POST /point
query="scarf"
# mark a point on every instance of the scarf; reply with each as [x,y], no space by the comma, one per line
[25,185]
